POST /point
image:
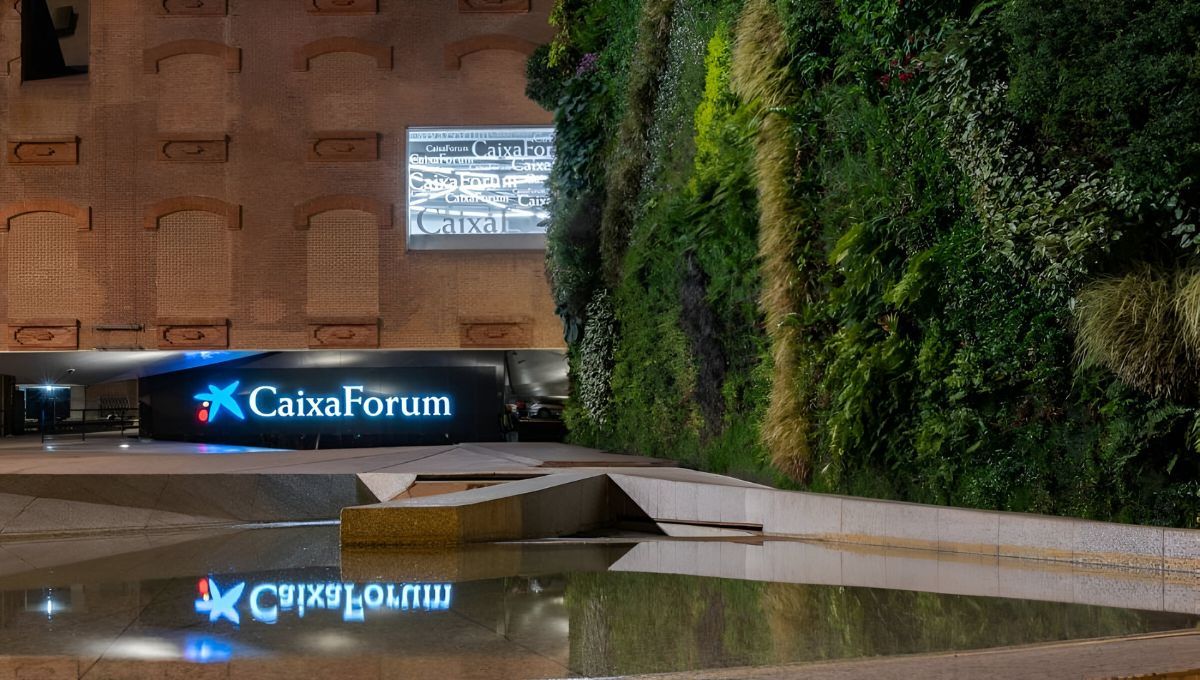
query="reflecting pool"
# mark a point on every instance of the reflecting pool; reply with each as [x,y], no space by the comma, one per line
[289,600]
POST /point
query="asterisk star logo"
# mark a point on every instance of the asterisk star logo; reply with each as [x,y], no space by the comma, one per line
[221,398]
[220,605]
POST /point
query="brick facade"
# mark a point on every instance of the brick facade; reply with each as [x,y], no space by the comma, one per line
[239,165]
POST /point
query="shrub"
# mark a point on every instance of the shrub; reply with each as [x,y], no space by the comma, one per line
[544,82]
[1112,83]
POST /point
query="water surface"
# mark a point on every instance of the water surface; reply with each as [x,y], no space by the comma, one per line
[276,597]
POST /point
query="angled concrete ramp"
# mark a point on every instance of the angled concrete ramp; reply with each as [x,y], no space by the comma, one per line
[551,505]
[100,487]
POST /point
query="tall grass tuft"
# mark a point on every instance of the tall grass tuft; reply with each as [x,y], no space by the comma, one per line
[760,77]
[629,157]
[1143,326]
[1187,307]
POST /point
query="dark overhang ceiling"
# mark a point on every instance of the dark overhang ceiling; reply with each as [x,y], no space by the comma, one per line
[531,373]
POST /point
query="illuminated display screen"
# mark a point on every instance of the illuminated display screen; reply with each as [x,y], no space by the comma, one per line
[478,188]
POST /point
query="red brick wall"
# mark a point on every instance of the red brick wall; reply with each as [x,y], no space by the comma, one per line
[246,271]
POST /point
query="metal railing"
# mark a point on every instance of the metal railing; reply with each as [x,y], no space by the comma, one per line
[84,421]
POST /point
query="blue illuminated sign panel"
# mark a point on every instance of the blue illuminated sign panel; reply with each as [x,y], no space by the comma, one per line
[266,602]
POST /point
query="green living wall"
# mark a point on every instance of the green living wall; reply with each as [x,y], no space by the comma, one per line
[920,249]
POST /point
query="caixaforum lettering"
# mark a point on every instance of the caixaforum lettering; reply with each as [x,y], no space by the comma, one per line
[267,402]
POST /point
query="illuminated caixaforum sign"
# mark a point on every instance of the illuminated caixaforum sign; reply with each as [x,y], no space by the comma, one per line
[478,188]
[265,401]
[379,406]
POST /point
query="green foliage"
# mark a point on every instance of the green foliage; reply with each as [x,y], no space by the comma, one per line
[933,250]
[629,157]
[1055,222]
[592,387]
[1116,85]
[543,82]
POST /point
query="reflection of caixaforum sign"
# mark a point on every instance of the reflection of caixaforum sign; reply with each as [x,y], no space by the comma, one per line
[478,188]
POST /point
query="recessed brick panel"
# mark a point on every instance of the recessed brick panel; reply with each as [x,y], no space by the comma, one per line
[305,54]
[455,51]
[82,216]
[231,214]
[342,264]
[341,7]
[230,57]
[495,331]
[43,151]
[192,8]
[306,212]
[43,334]
[192,333]
[41,251]
[343,333]
[193,271]
[192,148]
[343,146]
[493,6]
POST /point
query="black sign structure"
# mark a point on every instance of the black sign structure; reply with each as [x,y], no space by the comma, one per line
[297,408]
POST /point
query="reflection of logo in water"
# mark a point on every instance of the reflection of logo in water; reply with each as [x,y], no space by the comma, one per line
[353,601]
[212,401]
[206,649]
[219,605]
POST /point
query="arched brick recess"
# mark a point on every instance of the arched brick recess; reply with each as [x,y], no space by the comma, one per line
[231,213]
[81,215]
[342,264]
[455,51]
[230,56]
[192,262]
[382,54]
[42,263]
[305,212]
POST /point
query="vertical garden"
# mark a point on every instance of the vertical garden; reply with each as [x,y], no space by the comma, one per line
[928,250]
